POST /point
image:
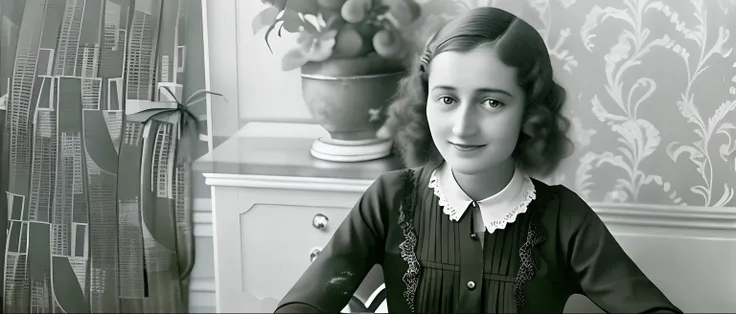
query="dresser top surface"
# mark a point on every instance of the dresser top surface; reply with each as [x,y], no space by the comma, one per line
[285,156]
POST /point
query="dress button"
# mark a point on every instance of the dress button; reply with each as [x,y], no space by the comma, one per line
[471,285]
[474,236]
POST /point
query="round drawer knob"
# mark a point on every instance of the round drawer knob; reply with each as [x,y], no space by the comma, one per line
[314,253]
[471,285]
[320,221]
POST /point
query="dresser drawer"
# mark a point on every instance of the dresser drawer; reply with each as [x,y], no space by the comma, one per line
[277,241]
[264,238]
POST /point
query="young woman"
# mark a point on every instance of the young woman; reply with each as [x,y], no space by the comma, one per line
[468,231]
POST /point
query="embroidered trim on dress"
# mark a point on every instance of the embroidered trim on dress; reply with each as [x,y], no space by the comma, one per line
[408,246]
[535,236]
[531,194]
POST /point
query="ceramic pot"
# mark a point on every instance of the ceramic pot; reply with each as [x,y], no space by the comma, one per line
[345,97]
[348,106]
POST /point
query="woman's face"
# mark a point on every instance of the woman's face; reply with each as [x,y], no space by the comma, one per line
[475,109]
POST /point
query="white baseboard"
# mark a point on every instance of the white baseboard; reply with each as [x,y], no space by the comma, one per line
[202,295]
[202,283]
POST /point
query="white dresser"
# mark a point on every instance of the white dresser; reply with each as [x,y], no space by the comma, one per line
[274,207]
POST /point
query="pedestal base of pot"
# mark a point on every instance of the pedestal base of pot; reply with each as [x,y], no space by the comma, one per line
[329,149]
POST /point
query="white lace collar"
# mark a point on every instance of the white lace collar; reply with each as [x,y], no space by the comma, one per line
[497,210]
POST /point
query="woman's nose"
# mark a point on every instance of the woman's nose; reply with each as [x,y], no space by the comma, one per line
[464,122]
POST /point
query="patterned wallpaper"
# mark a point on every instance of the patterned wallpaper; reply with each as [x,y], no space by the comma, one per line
[651,96]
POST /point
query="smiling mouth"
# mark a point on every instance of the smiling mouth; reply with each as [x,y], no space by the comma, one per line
[464,147]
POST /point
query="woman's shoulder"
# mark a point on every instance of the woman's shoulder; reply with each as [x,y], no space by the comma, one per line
[566,206]
[559,194]
[406,178]
[400,186]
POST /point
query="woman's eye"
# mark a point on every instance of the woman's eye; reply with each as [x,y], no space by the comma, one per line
[492,103]
[446,100]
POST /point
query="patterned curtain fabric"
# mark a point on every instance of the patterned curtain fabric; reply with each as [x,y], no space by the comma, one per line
[95,194]
[651,95]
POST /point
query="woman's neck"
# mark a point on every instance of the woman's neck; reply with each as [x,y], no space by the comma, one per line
[487,183]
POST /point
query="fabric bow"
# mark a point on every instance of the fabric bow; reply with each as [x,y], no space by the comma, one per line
[186,117]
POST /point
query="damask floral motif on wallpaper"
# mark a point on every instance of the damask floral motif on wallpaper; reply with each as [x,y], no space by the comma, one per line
[651,96]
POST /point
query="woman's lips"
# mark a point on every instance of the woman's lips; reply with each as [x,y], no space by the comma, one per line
[466,147]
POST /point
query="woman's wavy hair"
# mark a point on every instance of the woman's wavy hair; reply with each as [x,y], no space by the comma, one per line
[543,142]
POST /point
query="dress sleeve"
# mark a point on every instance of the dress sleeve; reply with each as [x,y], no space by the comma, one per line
[356,246]
[605,273]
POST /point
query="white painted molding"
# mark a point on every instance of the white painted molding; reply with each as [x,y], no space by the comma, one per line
[202,285]
[202,293]
[203,225]
[207,85]
[286,183]
[221,27]
[202,217]
[690,218]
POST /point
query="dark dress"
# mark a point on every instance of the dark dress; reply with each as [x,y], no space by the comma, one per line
[559,247]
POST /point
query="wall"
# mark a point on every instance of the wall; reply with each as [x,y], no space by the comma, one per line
[260,90]
[653,120]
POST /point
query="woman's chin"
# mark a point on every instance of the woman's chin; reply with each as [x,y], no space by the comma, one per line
[471,166]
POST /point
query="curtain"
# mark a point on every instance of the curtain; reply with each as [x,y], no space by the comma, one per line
[95,190]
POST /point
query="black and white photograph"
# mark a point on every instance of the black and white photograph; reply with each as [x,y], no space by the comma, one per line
[368,156]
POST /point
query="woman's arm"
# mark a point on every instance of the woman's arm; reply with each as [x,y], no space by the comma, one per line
[356,246]
[605,273]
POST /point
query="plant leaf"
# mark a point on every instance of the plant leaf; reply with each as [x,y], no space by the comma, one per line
[264,19]
[293,59]
[292,21]
[381,9]
[303,6]
[279,4]
[309,25]
[320,47]
[268,31]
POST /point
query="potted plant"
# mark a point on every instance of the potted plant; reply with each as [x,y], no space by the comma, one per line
[352,54]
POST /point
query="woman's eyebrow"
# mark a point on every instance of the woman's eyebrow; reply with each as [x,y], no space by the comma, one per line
[479,90]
